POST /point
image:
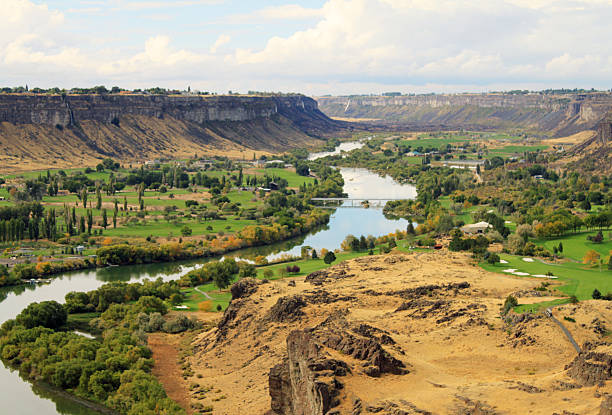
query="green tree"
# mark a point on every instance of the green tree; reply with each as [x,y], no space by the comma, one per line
[98,198]
[50,314]
[222,279]
[410,228]
[186,230]
[247,270]
[104,219]
[329,257]
[84,196]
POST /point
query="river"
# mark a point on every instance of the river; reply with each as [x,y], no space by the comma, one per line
[23,398]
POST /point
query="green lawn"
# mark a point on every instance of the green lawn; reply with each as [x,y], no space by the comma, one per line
[576,245]
[193,298]
[577,279]
[430,142]
[163,228]
[293,179]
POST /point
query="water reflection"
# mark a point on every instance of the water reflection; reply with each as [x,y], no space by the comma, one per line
[22,398]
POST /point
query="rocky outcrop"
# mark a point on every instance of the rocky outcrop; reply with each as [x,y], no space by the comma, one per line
[593,365]
[287,309]
[244,288]
[241,291]
[306,382]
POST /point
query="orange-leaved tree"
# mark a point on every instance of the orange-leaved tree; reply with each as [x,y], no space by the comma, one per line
[591,257]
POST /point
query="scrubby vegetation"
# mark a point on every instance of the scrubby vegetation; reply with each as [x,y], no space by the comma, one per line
[113,369]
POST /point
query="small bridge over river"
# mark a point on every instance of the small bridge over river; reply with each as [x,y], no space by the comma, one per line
[334,202]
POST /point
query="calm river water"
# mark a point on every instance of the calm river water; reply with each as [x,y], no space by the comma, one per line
[19,397]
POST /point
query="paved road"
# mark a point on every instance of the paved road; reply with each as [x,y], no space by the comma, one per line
[205,294]
[565,330]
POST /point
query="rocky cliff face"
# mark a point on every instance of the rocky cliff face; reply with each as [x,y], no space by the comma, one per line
[71,109]
[76,130]
[562,115]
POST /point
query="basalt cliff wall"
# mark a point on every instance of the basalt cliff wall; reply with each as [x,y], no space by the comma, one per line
[73,130]
[555,114]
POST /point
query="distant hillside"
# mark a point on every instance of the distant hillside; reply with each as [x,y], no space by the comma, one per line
[595,153]
[77,130]
[558,115]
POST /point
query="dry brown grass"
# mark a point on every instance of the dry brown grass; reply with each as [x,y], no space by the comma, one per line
[472,355]
[570,140]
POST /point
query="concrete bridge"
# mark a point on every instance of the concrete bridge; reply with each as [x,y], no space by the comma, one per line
[334,202]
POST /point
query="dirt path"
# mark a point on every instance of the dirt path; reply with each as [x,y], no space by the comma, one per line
[165,349]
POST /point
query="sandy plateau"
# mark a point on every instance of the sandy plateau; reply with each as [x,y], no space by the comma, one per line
[416,333]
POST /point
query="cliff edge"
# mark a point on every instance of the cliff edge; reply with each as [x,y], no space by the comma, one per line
[38,131]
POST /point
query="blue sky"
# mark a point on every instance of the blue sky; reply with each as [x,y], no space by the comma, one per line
[315,47]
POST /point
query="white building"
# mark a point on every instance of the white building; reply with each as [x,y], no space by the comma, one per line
[476,228]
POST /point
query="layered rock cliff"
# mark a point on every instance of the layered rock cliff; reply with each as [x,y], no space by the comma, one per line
[76,130]
[557,114]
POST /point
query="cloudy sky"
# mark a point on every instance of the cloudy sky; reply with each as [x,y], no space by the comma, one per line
[315,46]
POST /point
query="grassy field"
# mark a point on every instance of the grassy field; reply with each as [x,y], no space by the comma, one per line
[293,179]
[193,298]
[436,143]
[414,160]
[578,279]
[164,228]
[576,245]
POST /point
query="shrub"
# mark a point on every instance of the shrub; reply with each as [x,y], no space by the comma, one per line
[293,269]
[180,324]
[509,304]
[492,258]
[329,257]
[205,306]
[596,294]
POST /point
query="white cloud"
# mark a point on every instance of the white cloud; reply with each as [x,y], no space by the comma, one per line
[289,11]
[147,5]
[221,40]
[378,44]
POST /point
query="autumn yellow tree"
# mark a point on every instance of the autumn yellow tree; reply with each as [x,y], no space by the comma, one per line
[591,258]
